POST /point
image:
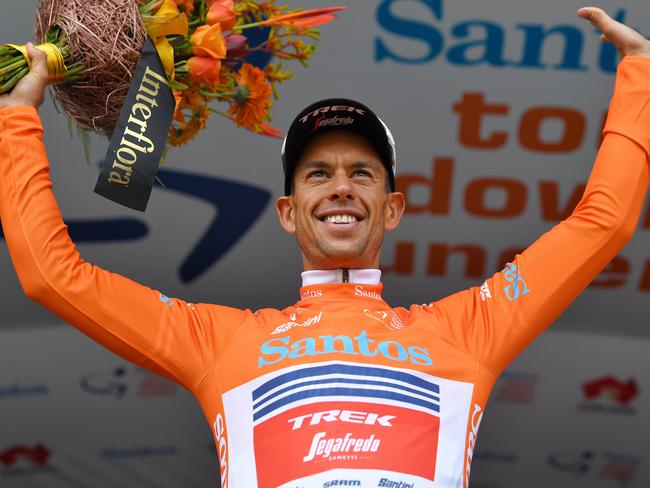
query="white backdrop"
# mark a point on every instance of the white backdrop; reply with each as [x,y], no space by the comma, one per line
[542,80]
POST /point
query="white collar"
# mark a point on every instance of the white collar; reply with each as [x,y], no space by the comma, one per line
[327,276]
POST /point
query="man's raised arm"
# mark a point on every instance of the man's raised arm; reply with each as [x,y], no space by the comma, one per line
[518,303]
[170,337]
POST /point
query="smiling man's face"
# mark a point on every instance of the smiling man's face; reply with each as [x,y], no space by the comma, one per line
[340,206]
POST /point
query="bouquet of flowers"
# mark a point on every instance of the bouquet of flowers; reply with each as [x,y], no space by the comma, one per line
[93,47]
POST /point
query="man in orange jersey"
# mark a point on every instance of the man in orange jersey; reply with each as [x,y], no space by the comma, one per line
[339,387]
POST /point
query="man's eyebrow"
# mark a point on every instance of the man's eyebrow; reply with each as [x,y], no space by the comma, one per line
[363,164]
[309,165]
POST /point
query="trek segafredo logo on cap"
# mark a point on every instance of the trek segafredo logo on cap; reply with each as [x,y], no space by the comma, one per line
[335,121]
[332,108]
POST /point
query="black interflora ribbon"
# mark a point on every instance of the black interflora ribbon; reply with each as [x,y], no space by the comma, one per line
[129,169]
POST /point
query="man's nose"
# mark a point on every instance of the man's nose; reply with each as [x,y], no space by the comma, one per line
[341,188]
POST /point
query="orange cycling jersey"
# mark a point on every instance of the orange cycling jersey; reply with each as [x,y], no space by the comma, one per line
[340,388]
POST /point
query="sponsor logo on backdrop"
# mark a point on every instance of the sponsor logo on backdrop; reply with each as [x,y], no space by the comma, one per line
[338,416]
[139,452]
[512,387]
[125,381]
[431,36]
[487,42]
[23,459]
[484,456]
[281,348]
[602,465]
[231,222]
[609,395]
[18,390]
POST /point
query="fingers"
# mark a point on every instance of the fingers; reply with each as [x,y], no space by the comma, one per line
[626,39]
[39,61]
[599,18]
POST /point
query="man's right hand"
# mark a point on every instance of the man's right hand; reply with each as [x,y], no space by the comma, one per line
[31,89]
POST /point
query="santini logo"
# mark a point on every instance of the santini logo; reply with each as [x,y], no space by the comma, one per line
[277,350]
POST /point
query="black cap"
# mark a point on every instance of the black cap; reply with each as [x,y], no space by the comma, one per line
[337,114]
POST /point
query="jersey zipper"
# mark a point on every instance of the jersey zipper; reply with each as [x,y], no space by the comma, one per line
[346,275]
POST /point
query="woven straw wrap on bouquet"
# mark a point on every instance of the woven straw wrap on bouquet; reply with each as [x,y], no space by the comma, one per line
[106,35]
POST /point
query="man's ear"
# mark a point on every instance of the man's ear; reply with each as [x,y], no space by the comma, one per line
[394,209]
[286,215]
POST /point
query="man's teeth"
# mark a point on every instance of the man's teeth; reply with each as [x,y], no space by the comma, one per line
[340,219]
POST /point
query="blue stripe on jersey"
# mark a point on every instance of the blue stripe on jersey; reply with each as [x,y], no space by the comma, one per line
[345,369]
[347,392]
[340,379]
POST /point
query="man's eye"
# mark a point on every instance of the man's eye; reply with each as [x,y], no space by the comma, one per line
[362,172]
[316,174]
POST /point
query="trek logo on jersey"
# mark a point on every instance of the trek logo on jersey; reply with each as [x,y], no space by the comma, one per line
[281,348]
[344,416]
[518,286]
[326,448]
[292,323]
[350,416]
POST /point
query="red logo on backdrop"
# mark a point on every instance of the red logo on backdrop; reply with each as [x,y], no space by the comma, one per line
[328,435]
[38,455]
[620,392]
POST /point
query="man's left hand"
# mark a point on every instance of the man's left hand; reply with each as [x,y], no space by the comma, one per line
[628,41]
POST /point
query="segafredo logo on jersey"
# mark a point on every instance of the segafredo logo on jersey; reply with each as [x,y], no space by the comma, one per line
[324,447]
[344,416]
[281,348]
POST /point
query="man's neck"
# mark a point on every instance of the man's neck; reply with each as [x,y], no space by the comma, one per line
[325,276]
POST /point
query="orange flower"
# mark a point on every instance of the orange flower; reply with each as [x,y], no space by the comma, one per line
[270,131]
[178,111]
[204,69]
[222,12]
[208,40]
[252,98]
[305,18]
[183,133]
